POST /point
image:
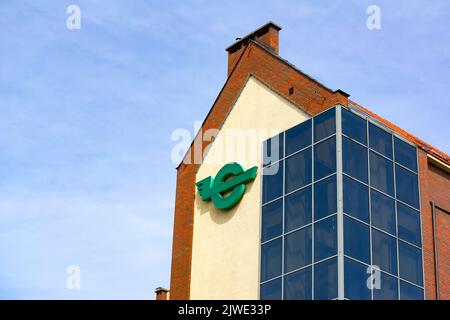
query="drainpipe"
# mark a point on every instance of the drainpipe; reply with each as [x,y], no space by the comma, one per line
[436,256]
[436,261]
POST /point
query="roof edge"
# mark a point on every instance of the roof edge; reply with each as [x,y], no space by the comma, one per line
[429,149]
[251,34]
[426,147]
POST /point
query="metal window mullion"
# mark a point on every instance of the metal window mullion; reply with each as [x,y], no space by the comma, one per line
[260,222]
[312,208]
[340,209]
[282,221]
[421,232]
[370,206]
[396,218]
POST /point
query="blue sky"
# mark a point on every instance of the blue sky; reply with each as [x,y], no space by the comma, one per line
[86,117]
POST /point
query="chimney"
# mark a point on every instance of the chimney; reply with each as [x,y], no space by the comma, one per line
[162,293]
[266,35]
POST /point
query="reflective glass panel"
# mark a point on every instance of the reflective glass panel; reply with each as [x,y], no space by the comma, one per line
[325,280]
[410,259]
[271,290]
[407,186]
[298,137]
[388,289]
[405,154]
[381,174]
[356,199]
[410,292]
[271,259]
[298,285]
[298,170]
[384,251]
[297,249]
[298,209]
[324,124]
[272,182]
[272,220]
[408,224]
[325,238]
[383,211]
[325,197]
[354,126]
[356,240]
[354,159]
[273,149]
[380,140]
[355,281]
[325,158]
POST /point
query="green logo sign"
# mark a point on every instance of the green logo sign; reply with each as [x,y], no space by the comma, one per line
[228,187]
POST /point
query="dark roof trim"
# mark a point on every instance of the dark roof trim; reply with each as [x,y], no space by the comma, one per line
[342,92]
[252,35]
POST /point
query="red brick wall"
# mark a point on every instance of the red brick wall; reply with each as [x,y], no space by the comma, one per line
[233,58]
[435,186]
[161,295]
[182,233]
[271,39]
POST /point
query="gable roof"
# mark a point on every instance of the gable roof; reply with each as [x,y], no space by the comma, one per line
[279,74]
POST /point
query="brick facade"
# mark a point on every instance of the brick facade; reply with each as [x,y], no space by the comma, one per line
[256,59]
[162,293]
[435,186]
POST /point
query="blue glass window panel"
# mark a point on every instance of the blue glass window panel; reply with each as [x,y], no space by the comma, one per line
[383,212]
[356,199]
[384,251]
[272,220]
[272,182]
[324,158]
[271,290]
[380,140]
[297,249]
[271,259]
[410,259]
[273,149]
[325,198]
[381,174]
[324,124]
[405,154]
[355,281]
[354,159]
[298,209]
[388,289]
[325,238]
[354,126]
[408,224]
[407,186]
[356,240]
[326,280]
[410,292]
[298,285]
[298,137]
[298,170]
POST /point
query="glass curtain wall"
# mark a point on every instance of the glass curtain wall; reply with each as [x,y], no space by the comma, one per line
[340,212]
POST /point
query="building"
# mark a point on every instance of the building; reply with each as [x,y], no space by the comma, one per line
[331,202]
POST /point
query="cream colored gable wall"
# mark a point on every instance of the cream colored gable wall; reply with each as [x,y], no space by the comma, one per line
[225,256]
